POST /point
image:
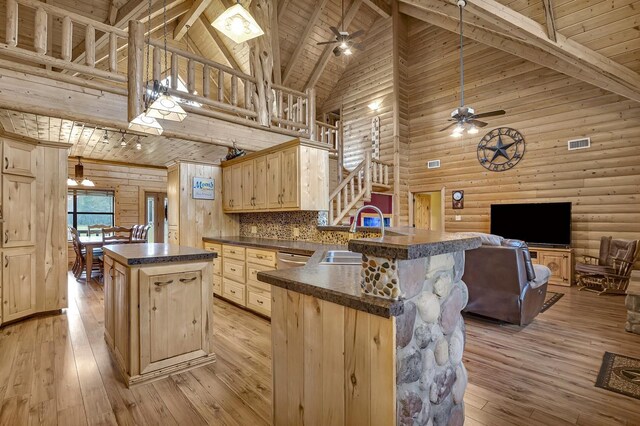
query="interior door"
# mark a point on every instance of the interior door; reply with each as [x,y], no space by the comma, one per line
[273,181]
[156,205]
[290,176]
[422,211]
[260,183]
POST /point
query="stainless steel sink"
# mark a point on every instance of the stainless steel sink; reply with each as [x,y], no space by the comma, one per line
[341,257]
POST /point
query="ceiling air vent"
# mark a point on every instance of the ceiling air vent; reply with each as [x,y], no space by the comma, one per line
[579,144]
[433,164]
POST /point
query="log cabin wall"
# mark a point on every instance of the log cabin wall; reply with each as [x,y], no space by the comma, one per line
[549,109]
[129,183]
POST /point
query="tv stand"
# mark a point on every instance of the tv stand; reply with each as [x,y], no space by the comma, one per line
[558,260]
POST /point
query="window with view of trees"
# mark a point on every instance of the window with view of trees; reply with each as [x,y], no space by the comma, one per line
[89,207]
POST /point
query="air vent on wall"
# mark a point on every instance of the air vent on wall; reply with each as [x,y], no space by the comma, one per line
[579,144]
[433,164]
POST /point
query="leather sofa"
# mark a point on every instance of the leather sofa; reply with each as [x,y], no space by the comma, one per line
[503,283]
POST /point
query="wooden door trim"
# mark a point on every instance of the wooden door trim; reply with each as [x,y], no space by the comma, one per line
[420,190]
[142,203]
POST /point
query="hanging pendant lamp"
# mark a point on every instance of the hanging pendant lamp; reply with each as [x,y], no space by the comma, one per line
[237,23]
[79,176]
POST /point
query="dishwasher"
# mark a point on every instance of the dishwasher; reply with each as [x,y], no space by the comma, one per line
[290,260]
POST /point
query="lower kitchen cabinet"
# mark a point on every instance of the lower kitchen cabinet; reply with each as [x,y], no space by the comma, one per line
[217,267]
[18,283]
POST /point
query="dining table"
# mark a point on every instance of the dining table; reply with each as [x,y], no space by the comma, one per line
[92,242]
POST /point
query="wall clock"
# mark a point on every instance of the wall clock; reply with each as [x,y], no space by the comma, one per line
[457,199]
[501,149]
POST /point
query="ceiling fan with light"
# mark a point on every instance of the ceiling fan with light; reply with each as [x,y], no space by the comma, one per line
[464,118]
[344,40]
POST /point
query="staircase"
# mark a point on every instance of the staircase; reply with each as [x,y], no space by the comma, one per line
[355,189]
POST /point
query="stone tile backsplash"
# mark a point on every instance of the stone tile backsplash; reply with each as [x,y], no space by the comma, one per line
[281,226]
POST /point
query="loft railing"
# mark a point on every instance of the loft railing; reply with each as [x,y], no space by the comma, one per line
[332,136]
[380,172]
[39,51]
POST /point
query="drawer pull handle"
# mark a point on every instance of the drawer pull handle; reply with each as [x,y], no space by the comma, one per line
[6,236]
[259,256]
[232,291]
[260,302]
[6,261]
[161,283]
[6,163]
[233,269]
[188,280]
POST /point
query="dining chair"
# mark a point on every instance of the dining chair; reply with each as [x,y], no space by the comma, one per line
[117,234]
[95,229]
[144,233]
[79,266]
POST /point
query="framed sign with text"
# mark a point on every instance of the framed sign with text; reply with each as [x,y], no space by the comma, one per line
[203,188]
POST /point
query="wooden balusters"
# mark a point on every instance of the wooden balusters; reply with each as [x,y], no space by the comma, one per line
[67,38]
[386,174]
[174,71]
[206,80]
[247,95]
[11,23]
[220,86]
[374,172]
[90,45]
[367,175]
[299,110]
[311,112]
[40,32]
[191,76]
[234,90]
[157,67]
[113,52]
[289,108]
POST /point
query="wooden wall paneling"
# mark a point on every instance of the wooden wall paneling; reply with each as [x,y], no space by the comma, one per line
[549,109]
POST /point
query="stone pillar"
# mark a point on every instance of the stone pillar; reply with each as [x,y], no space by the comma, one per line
[430,334]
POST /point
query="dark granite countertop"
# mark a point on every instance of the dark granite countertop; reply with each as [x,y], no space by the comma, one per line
[150,253]
[417,244]
[305,248]
[339,284]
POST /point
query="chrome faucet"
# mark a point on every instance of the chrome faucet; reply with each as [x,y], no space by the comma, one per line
[354,225]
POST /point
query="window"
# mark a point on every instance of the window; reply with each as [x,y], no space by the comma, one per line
[87,207]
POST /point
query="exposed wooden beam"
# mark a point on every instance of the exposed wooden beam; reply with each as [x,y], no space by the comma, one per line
[302,41]
[228,54]
[113,12]
[550,19]
[520,48]
[275,44]
[381,7]
[189,18]
[328,50]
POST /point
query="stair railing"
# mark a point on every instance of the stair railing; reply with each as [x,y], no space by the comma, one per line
[355,187]
[380,172]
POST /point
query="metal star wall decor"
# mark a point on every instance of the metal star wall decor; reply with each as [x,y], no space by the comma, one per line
[501,149]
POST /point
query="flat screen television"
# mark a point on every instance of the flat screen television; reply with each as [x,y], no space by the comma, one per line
[541,224]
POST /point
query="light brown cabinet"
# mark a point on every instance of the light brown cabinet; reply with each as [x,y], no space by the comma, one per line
[559,262]
[158,317]
[19,227]
[34,252]
[18,283]
[288,177]
[217,267]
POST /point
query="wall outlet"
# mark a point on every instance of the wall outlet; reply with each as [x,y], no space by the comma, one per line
[458,218]
[254,229]
[296,232]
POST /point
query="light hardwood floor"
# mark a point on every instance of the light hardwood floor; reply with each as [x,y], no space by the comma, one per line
[56,370]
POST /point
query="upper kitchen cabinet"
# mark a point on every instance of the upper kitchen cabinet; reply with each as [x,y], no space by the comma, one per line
[291,176]
[19,158]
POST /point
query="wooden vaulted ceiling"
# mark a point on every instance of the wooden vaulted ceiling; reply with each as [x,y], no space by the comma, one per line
[608,30]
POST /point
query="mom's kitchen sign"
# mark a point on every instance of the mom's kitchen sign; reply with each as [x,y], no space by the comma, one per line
[203,188]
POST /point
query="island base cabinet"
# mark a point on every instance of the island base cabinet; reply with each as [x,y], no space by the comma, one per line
[158,318]
[331,364]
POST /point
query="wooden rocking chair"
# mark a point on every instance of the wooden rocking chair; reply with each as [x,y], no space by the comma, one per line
[610,272]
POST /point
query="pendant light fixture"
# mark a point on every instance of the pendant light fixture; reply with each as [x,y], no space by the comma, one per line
[163,105]
[79,176]
[143,123]
[138,144]
[237,23]
[123,141]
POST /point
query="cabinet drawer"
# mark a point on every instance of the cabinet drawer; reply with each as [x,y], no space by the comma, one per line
[234,270]
[259,301]
[261,257]
[252,276]
[217,285]
[233,291]
[233,252]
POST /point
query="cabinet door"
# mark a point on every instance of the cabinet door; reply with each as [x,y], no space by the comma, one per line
[121,316]
[247,185]
[19,158]
[260,183]
[273,181]
[173,236]
[18,283]
[558,263]
[227,188]
[171,318]
[19,205]
[109,311]
[290,182]
[236,187]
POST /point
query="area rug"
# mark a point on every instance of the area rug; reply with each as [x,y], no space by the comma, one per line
[550,299]
[620,374]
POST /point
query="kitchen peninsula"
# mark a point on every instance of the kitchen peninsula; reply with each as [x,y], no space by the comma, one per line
[344,357]
[158,308]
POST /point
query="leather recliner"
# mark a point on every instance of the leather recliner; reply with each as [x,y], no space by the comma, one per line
[503,283]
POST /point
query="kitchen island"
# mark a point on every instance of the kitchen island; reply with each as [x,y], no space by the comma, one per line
[377,343]
[158,309]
